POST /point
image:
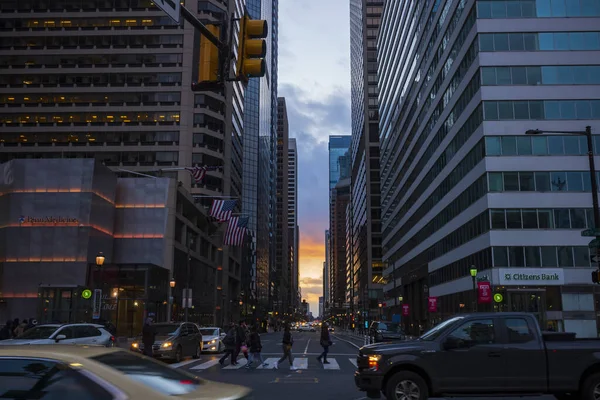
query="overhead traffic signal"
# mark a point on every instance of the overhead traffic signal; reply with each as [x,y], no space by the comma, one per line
[207,61]
[252,48]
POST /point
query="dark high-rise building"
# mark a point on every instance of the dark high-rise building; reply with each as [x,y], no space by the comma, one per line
[293,230]
[281,279]
[367,272]
[338,147]
[340,198]
[110,80]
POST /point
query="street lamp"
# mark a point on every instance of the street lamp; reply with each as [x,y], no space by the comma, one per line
[473,272]
[380,311]
[590,145]
[172,283]
[100,259]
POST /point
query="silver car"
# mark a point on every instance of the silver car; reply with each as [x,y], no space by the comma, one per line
[91,334]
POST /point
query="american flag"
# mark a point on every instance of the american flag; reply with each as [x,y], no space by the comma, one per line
[197,173]
[236,230]
[221,209]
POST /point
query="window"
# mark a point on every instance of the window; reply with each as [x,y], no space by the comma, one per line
[524,145]
[516,256]
[548,256]
[558,181]
[477,332]
[565,256]
[545,219]
[498,220]
[578,218]
[85,331]
[540,145]
[511,181]
[529,219]
[561,218]
[492,146]
[581,254]
[542,182]
[518,330]
[526,182]
[513,219]
[532,256]
[37,379]
[495,182]
[509,146]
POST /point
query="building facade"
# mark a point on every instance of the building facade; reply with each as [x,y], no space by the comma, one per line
[327,273]
[293,230]
[282,277]
[340,198]
[367,270]
[113,79]
[338,147]
[463,187]
[59,214]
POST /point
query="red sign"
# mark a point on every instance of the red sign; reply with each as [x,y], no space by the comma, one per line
[484,292]
[405,310]
[432,304]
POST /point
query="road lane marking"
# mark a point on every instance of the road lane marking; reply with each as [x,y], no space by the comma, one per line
[333,364]
[206,365]
[240,363]
[271,363]
[306,348]
[317,354]
[301,363]
[353,361]
[347,341]
[181,364]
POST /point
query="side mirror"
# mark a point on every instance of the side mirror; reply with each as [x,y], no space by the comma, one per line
[223,335]
[59,338]
[452,343]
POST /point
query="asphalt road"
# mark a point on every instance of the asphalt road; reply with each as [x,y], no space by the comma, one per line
[312,380]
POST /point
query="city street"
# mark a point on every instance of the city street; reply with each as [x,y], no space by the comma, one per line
[312,380]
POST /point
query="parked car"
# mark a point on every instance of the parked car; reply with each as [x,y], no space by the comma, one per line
[86,372]
[64,334]
[482,355]
[385,331]
[174,341]
[212,339]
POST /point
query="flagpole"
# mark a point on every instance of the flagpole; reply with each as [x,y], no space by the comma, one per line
[136,173]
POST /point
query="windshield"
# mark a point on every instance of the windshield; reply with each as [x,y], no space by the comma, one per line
[389,327]
[39,332]
[153,374]
[209,332]
[166,330]
[435,332]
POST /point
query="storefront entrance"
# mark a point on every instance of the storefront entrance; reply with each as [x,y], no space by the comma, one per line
[528,300]
[60,304]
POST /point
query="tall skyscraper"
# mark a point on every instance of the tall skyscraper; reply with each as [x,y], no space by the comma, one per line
[463,186]
[293,231]
[338,147]
[340,198]
[326,272]
[367,271]
[113,78]
[282,279]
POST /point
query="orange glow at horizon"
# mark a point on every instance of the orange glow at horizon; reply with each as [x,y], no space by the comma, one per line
[312,257]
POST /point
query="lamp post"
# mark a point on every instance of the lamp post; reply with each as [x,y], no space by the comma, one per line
[590,145]
[380,311]
[473,272]
[188,298]
[99,263]
[170,302]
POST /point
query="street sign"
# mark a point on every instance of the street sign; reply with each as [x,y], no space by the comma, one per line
[498,298]
[86,294]
[171,7]
[187,298]
[96,304]
[594,244]
[595,259]
[591,232]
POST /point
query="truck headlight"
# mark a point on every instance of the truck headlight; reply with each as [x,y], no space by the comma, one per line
[213,341]
[374,362]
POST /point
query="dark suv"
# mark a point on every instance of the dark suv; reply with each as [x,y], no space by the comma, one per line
[385,331]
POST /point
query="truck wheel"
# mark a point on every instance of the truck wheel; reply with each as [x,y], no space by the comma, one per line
[590,390]
[406,385]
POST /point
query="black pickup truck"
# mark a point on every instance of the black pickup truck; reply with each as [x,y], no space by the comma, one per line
[482,354]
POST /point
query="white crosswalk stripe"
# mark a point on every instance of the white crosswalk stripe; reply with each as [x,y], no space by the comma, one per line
[271,363]
[353,361]
[241,362]
[206,365]
[301,363]
[333,364]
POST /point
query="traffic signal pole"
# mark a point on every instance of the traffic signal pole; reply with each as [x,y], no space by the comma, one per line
[192,19]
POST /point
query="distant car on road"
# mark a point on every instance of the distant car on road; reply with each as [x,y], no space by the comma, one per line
[174,341]
[94,372]
[212,339]
[306,328]
[64,334]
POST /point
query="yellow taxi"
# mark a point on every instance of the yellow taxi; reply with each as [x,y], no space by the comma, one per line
[100,373]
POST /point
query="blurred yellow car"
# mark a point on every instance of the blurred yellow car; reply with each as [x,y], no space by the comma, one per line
[100,373]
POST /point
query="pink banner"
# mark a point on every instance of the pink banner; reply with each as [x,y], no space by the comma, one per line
[432,304]
[405,310]
[484,292]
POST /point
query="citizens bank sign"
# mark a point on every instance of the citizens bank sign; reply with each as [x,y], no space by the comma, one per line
[531,276]
[48,220]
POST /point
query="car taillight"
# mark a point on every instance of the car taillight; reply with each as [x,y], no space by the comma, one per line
[112,339]
[186,382]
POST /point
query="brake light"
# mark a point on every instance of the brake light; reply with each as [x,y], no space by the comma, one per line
[186,382]
[112,339]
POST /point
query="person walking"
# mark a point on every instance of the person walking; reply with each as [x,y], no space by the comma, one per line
[287,344]
[229,342]
[325,343]
[255,348]
[240,338]
[246,345]
[148,337]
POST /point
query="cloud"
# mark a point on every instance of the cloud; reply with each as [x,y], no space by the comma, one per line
[311,282]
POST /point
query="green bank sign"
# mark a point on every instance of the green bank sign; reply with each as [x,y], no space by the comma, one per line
[531,276]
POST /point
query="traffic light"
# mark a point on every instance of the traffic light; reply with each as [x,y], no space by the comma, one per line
[252,48]
[596,276]
[207,62]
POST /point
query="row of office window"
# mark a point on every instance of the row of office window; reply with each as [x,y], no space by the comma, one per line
[541,109]
[90,42]
[67,98]
[118,117]
[460,268]
[542,41]
[91,138]
[541,256]
[100,23]
[543,75]
[537,8]
[69,80]
[10,6]
[92,60]
[142,158]
[553,145]
[543,181]
[531,218]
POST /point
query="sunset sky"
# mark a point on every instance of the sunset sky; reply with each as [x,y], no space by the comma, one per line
[314,77]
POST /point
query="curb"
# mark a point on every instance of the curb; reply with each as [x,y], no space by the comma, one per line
[347,341]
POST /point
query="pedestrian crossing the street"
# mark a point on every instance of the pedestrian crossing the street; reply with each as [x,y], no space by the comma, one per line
[300,363]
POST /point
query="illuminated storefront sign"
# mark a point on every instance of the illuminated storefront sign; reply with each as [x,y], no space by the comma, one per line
[531,276]
[47,220]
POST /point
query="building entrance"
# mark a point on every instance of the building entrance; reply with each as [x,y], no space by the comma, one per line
[528,300]
[60,304]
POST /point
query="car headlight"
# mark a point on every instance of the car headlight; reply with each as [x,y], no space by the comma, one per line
[135,345]
[213,341]
[374,362]
[166,345]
